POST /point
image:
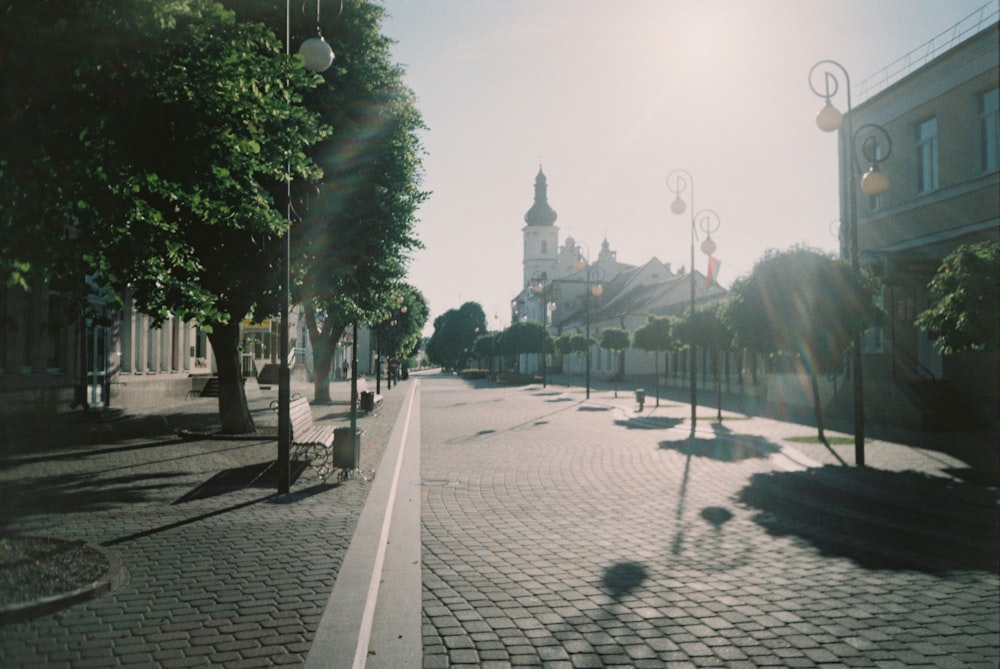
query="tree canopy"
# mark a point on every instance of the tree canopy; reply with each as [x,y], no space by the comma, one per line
[400,331]
[454,336]
[803,303]
[967,315]
[155,147]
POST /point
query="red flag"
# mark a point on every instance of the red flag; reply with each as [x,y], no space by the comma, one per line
[713,271]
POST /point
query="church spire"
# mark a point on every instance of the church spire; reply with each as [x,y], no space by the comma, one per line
[540,213]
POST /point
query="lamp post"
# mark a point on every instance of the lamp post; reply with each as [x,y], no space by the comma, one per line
[594,289]
[318,57]
[680,181]
[873,183]
[538,288]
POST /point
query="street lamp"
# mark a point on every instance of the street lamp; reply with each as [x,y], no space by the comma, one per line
[869,138]
[318,57]
[538,288]
[680,181]
[595,275]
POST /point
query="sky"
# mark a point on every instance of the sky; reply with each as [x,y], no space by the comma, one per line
[608,98]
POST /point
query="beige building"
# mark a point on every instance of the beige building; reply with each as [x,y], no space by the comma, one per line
[944,174]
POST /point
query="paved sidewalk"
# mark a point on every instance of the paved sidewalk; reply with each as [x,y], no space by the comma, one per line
[546,531]
[565,533]
[222,570]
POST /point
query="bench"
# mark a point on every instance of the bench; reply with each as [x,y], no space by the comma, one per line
[304,431]
[310,441]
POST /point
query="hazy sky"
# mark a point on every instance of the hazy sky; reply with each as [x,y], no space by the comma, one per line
[608,97]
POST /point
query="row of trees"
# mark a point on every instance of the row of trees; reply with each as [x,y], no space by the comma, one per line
[152,145]
[799,303]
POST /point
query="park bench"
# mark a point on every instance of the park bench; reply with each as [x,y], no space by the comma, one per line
[322,447]
[310,442]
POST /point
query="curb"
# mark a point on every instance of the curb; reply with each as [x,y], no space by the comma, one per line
[114,578]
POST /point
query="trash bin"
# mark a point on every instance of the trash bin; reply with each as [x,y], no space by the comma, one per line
[346,448]
[640,397]
[367,401]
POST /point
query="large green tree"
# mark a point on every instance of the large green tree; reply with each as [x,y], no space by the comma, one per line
[967,313]
[169,127]
[354,227]
[454,336]
[804,303]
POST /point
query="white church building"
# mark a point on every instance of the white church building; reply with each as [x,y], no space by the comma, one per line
[569,292]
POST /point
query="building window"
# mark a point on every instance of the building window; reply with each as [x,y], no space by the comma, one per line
[545,247]
[927,156]
[989,129]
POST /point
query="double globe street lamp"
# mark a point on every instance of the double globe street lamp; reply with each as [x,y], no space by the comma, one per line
[317,56]
[875,145]
[595,275]
[680,181]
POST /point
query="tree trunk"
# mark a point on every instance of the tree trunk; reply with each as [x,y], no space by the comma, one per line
[817,405]
[322,361]
[656,373]
[234,415]
[324,342]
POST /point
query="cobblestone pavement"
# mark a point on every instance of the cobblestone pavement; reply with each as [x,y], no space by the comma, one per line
[223,571]
[562,533]
[555,532]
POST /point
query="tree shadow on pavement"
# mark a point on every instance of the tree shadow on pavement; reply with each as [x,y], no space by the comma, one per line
[44,433]
[78,493]
[622,578]
[649,423]
[723,448]
[882,519]
[258,475]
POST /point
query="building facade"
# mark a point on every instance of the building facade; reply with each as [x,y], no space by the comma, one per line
[943,165]
[52,360]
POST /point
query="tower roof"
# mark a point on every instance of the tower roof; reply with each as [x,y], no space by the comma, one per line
[540,213]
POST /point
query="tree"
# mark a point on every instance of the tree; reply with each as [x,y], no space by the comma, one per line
[525,337]
[357,222]
[399,334]
[966,315]
[616,339]
[709,328]
[166,174]
[803,303]
[484,348]
[455,332]
[656,335]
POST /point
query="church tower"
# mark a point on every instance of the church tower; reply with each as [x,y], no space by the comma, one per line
[541,235]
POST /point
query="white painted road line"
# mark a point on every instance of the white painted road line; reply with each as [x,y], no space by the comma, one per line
[378,586]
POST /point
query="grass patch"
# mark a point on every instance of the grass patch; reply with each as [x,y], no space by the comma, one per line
[833,441]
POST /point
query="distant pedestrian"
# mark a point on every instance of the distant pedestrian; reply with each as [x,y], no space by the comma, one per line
[345,368]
